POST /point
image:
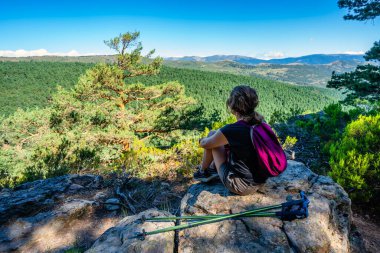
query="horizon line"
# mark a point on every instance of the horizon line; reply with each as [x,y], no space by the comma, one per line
[21,53]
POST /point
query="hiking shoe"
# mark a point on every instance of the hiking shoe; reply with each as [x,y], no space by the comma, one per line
[205,175]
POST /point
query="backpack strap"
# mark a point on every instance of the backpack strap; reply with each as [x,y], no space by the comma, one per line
[251,134]
[251,127]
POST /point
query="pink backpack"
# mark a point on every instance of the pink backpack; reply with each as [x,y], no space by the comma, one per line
[271,156]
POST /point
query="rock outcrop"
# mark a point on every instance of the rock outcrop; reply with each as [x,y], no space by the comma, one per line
[55,214]
[326,230]
[51,214]
[123,237]
[41,194]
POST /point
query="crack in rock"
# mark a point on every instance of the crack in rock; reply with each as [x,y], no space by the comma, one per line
[313,182]
[292,245]
[245,225]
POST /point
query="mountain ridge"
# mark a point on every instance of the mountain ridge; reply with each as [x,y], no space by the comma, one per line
[313,59]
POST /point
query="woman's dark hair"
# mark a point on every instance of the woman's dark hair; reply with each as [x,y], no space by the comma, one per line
[243,101]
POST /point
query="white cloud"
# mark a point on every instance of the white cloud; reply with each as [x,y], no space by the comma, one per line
[38,52]
[270,55]
[354,52]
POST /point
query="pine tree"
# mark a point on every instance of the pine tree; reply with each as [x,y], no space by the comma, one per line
[360,9]
[364,82]
[102,122]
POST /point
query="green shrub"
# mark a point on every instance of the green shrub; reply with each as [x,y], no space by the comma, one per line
[355,158]
[300,123]
[187,155]
[289,142]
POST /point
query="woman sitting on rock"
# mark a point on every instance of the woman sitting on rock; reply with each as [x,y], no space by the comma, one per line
[229,152]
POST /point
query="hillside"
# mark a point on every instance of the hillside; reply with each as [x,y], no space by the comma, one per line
[296,73]
[309,70]
[315,59]
[83,59]
[211,89]
[31,84]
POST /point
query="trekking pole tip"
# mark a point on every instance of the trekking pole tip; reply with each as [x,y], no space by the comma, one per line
[141,235]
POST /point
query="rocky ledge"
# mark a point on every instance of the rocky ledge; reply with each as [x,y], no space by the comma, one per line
[327,228]
[59,213]
[52,215]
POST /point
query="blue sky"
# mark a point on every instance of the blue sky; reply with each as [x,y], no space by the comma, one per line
[263,29]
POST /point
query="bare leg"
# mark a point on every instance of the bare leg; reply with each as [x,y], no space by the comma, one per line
[207,155]
[207,159]
[219,155]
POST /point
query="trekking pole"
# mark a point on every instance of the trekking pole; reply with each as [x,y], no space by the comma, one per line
[205,217]
[143,234]
[290,210]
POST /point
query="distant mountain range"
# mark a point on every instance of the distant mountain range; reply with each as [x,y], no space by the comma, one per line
[307,59]
[310,70]
[313,59]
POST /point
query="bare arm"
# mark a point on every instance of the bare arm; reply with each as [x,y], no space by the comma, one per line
[215,140]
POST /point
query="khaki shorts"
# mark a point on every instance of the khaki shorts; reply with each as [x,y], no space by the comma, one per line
[234,183]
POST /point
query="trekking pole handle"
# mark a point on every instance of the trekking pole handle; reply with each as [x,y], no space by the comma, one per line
[295,209]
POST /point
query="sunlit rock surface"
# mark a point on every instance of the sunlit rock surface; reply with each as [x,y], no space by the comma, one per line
[56,214]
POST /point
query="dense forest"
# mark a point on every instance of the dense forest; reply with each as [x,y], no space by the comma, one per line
[295,73]
[31,84]
[212,89]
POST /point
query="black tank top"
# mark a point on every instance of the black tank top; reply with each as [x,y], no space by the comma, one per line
[242,157]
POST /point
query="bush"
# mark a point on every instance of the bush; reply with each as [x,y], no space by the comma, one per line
[281,115]
[146,162]
[187,155]
[289,142]
[355,158]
